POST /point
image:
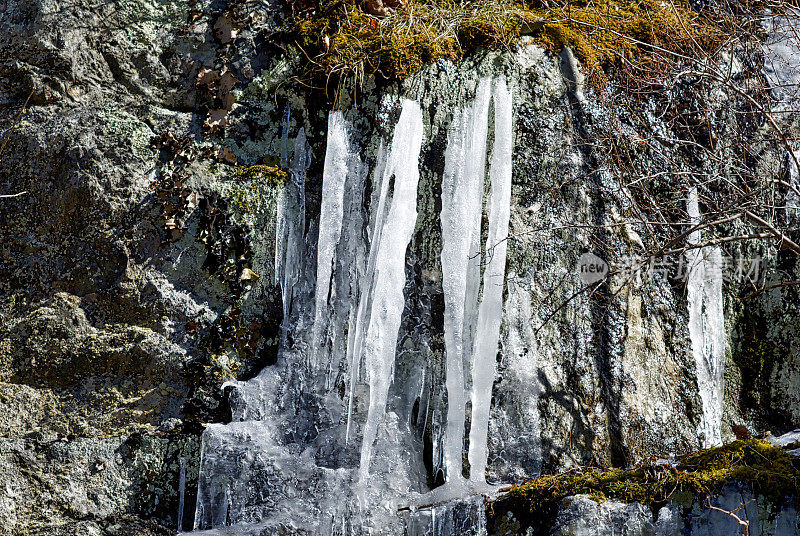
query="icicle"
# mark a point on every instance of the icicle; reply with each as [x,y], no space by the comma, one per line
[706,325]
[490,311]
[462,189]
[475,174]
[380,339]
[361,319]
[330,219]
[287,114]
[181,491]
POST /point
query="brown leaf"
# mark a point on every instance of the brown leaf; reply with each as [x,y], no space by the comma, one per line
[216,119]
[206,76]
[376,7]
[226,84]
[224,30]
[225,155]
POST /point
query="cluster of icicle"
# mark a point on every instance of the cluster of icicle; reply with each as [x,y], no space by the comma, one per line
[473,304]
[375,321]
[706,324]
[360,261]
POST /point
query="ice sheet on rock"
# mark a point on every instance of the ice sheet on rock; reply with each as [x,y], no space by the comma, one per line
[706,325]
[247,477]
[782,71]
[786,439]
[582,516]
[388,252]
[459,517]
[792,196]
[290,228]
[515,425]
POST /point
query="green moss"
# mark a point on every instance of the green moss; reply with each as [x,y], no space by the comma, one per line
[274,174]
[767,469]
[340,40]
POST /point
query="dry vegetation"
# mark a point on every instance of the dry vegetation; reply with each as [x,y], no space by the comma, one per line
[340,39]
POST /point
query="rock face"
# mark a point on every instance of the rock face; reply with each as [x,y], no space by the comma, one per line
[581,516]
[138,274]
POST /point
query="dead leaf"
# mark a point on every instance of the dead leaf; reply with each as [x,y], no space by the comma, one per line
[206,76]
[225,155]
[216,119]
[224,30]
[226,84]
[376,8]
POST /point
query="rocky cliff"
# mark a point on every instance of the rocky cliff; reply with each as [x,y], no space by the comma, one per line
[168,209]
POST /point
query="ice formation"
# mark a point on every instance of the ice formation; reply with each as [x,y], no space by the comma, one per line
[473,311]
[490,311]
[387,274]
[290,228]
[706,324]
[337,156]
[462,189]
[291,452]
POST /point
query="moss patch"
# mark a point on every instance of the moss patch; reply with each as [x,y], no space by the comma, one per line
[767,469]
[340,40]
[275,175]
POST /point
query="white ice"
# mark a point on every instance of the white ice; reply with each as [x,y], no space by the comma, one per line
[490,311]
[706,325]
[387,300]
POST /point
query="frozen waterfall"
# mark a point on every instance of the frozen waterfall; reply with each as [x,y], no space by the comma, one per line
[291,455]
[706,325]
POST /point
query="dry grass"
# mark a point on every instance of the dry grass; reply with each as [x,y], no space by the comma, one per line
[340,40]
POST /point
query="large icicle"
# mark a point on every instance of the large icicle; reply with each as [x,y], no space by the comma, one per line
[360,318]
[706,325]
[388,264]
[334,174]
[462,189]
[490,311]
